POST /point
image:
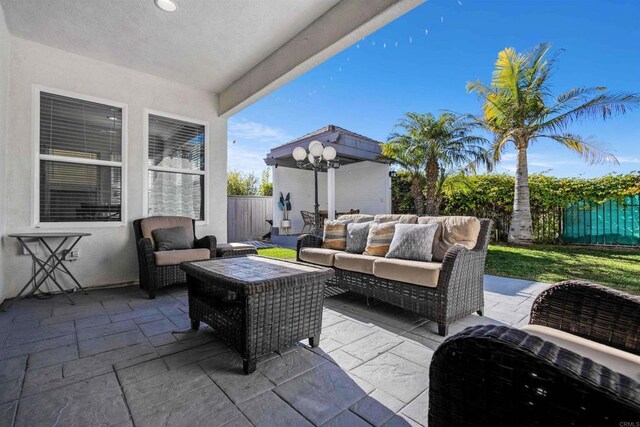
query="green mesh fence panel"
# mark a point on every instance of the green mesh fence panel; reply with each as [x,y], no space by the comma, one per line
[608,223]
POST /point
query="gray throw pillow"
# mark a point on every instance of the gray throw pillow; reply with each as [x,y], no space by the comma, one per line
[357,237]
[169,239]
[413,242]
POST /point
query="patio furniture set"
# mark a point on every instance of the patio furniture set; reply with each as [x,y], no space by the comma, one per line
[577,362]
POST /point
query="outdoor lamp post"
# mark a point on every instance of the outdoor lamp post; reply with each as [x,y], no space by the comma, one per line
[318,158]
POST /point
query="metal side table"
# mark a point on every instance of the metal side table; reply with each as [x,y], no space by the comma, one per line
[51,263]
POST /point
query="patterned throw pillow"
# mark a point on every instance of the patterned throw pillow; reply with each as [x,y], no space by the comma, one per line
[379,238]
[357,237]
[335,234]
[413,242]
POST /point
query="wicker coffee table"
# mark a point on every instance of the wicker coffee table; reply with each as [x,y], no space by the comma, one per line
[257,304]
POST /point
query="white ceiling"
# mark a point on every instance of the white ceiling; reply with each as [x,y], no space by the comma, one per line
[205,43]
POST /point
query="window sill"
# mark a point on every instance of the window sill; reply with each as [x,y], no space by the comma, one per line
[97,224]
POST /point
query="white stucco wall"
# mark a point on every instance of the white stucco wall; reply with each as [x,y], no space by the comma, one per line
[4,100]
[364,185]
[109,255]
[298,182]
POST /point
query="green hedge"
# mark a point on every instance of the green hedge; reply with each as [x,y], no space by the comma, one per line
[491,196]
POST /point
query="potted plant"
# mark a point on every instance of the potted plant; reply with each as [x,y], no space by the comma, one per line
[285,206]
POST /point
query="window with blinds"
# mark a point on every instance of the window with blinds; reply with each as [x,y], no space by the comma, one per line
[176,166]
[80,160]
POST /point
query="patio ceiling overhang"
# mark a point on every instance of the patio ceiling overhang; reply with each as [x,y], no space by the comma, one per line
[239,50]
[341,26]
[350,147]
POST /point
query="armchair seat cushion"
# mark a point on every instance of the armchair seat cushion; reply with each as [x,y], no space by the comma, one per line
[320,256]
[617,360]
[176,257]
[401,270]
[355,262]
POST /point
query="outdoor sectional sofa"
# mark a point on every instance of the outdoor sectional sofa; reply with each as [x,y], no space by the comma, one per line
[444,290]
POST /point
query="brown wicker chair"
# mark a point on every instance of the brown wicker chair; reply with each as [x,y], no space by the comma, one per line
[501,376]
[152,276]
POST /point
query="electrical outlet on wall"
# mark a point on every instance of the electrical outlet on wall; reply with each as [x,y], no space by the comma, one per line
[72,255]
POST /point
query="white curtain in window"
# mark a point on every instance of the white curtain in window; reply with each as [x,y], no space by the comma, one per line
[176,194]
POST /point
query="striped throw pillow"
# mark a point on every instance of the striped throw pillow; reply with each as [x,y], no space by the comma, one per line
[335,234]
[380,237]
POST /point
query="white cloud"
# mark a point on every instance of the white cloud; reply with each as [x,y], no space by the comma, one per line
[249,142]
[629,159]
[247,130]
[245,160]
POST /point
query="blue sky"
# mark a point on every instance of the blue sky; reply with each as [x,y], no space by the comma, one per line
[422,61]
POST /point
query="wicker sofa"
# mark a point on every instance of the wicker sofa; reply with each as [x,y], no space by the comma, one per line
[445,290]
[162,268]
[576,363]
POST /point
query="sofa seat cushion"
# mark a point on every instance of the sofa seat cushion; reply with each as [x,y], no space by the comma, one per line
[462,230]
[320,256]
[176,257]
[414,272]
[617,360]
[355,262]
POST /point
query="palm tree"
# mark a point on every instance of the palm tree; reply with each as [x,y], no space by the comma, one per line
[518,109]
[401,153]
[435,146]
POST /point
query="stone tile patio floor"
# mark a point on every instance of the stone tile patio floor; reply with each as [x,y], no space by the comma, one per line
[116,358]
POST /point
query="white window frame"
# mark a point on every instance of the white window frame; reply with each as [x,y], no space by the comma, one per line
[35,199]
[146,112]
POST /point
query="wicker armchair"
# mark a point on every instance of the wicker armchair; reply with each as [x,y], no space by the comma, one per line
[153,276]
[459,292]
[497,375]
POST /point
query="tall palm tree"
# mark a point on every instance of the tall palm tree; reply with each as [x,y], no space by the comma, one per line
[436,146]
[518,109]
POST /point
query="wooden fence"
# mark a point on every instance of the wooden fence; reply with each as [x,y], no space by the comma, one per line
[247,217]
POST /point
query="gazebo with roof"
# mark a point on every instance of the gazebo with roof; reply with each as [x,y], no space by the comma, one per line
[361,183]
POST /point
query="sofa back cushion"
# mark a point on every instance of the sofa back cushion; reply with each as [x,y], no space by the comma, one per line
[356,218]
[335,234]
[462,230]
[400,219]
[379,238]
[155,222]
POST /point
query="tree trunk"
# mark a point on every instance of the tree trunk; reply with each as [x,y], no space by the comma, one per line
[520,230]
[433,173]
[418,197]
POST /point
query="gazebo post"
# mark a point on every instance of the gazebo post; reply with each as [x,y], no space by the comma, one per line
[331,193]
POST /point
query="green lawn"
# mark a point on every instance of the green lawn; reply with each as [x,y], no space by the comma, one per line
[549,263]
[282,253]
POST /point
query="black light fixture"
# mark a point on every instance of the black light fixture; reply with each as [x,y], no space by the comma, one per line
[393,174]
[313,159]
